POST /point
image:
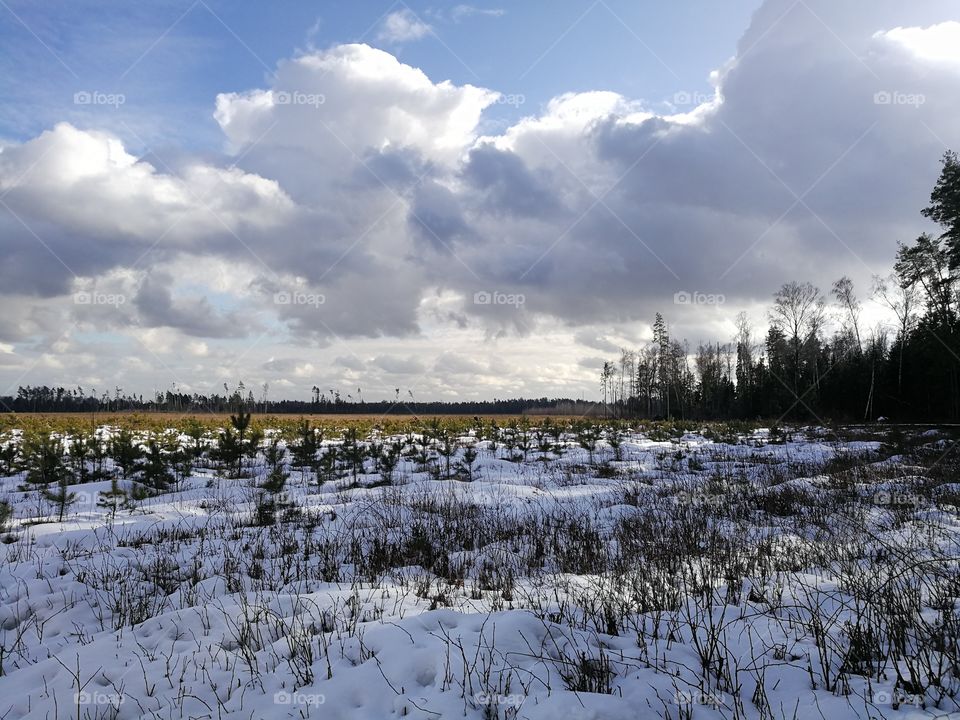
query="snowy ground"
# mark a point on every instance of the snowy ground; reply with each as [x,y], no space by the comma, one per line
[756,578]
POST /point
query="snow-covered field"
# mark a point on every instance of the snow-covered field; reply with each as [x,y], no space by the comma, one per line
[760,577]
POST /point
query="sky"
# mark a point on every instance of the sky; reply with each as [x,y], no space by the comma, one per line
[456,200]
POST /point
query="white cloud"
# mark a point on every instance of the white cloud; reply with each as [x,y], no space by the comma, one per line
[366,101]
[938,43]
[88,182]
[403,26]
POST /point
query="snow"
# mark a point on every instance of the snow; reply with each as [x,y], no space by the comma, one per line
[181,608]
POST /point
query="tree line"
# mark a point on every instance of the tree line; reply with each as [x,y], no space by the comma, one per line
[42,398]
[906,371]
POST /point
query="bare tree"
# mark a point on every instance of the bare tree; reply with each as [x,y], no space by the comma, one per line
[798,310]
[849,305]
[902,301]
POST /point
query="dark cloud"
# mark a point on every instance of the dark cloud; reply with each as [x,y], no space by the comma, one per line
[192,316]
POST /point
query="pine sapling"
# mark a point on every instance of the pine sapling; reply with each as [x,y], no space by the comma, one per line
[6,514]
[588,441]
[60,496]
[469,458]
[156,469]
[388,459]
[447,448]
[44,463]
[240,423]
[9,454]
[304,450]
[353,452]
[126,453]
[98,453]
[229,451]
[113,499]
[272,497]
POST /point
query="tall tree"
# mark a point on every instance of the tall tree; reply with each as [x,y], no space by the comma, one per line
[902,302]
[661,342]
[849,306]
[944,208]
[798,309]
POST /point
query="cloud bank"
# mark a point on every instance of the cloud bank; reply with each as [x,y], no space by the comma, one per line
[364,228]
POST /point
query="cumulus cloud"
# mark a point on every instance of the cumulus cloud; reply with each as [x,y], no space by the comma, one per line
[77,204]
[938,44]
[339,108]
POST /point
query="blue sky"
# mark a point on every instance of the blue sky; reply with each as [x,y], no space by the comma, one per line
[170,59]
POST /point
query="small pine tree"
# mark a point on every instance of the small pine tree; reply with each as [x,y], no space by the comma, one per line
[615,440]
[469,458]
[6,513]
[156,469]
[44,461]
[137,494]
[588,440]
[277,476]
[272,497]
[229,451]
[45,468]
[241,423]
[304,450]
[327,465]
[447,448]
[125,453]
[423,454]
[59,495]
[196,433]
[353,452]
[389,458]
[544,441]
[113,499]
[98,452]
[9,454]
[182,459]
[77,451]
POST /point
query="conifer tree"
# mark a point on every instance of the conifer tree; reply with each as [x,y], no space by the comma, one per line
[113,499]
[126,453]
[156,468]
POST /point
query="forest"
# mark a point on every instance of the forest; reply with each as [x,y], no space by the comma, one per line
[905,370]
